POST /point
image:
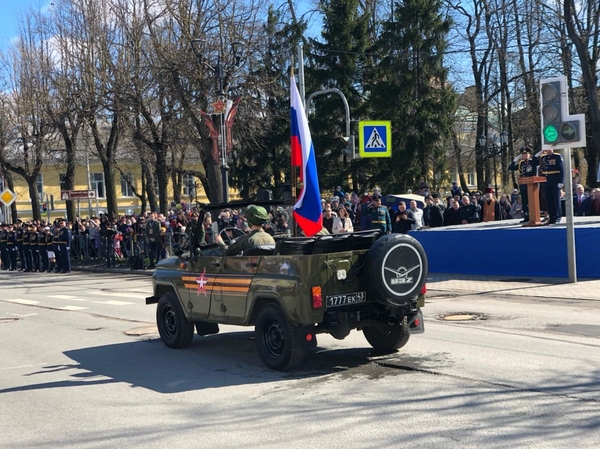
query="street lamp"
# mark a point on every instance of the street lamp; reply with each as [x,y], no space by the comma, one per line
[492,152]
[220,70]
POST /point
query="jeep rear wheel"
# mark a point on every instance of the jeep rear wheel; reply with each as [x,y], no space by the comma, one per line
[396,268]
[278,339]
[174,328]
[388,337]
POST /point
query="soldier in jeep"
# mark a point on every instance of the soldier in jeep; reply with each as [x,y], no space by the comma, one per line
[257,216]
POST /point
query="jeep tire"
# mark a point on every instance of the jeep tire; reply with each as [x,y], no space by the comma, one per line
[278,339]
[396,269]
[174,328]
[388,338]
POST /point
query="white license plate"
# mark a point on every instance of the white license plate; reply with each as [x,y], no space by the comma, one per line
[345,299]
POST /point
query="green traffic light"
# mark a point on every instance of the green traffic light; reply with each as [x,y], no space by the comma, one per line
[550,133]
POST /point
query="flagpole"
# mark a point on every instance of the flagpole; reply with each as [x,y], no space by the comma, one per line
[294,228]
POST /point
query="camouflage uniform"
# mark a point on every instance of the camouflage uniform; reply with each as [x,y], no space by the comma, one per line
[255,238]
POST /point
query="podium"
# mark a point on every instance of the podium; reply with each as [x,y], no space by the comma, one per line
[533,198]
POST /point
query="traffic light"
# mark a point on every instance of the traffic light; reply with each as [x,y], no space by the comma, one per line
[349,151]
[559,129]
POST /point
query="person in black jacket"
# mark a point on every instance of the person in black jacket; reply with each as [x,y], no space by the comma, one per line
[404,219]
[468,211]
[432,214]
[451,216]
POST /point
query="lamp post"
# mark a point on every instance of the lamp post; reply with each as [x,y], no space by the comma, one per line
[492,152]
[220,70]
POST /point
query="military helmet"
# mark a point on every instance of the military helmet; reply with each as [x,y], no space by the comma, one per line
[256,215]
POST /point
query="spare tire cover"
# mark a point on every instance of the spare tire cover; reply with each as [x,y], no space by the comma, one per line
[396,268]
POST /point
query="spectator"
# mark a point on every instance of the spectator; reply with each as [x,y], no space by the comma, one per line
[505,205]
[468,212]
[516,210]
[455,189]
[338,192]
[342,223]
[432,214]
[452,215]
[437,202]
[328,219]
[595,202]
[418,214]
[582,204]
[490,208]
[404,219]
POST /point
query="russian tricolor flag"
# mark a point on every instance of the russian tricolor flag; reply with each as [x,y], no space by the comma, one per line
[307,210]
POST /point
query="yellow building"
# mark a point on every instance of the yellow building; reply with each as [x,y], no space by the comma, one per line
[50,184]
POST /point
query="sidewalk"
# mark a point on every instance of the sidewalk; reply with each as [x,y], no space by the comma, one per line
[584,289]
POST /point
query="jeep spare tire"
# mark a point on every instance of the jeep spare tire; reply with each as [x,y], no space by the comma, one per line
[396,269]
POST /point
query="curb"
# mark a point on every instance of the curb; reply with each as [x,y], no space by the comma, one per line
[103,269]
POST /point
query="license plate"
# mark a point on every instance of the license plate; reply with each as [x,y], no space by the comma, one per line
[345,299]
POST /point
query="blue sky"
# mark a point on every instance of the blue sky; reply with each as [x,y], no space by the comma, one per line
[9,13]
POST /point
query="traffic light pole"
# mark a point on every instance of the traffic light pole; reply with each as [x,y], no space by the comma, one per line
[568,183]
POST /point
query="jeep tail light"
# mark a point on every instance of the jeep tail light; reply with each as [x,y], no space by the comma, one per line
[424,289]
[317,298]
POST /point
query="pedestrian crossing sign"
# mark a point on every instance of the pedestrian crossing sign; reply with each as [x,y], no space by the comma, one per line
[375,139]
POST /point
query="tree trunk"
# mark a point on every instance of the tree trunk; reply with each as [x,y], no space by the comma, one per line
[163,182]
[35,200]
[109,184]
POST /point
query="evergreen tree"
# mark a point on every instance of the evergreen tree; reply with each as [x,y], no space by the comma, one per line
[408,86]
[337,62]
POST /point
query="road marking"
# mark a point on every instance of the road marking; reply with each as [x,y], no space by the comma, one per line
[73,308]
[23,301]
[22,316]
[62,296]
[114,303]
[118,295]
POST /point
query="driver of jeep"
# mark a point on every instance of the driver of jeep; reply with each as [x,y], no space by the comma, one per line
[256,216]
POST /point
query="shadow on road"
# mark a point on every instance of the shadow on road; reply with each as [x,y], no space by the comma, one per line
[211,362]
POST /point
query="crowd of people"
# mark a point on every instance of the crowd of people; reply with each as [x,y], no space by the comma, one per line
[39,245]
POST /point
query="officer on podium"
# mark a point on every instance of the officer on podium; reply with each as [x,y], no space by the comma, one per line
[551,166]
[525,166]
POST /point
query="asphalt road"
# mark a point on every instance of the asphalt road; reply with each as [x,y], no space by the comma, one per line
[525,375]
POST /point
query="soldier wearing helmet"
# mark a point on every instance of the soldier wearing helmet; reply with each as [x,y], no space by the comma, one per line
[257,216]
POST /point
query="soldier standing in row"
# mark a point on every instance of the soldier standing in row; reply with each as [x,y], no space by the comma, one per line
[56,248]
[64,239]
[153,238]
[551,166]
[3,250]
[11,242]
[19,231]
[525,166]
[34,248]
[27,249]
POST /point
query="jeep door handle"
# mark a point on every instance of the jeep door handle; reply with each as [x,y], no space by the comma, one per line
[251,265]
[215,264]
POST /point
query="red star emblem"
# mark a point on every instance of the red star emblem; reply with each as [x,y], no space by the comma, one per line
[219,107]
[201,281]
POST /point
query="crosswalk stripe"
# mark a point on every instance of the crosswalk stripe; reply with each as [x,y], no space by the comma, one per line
[23,301]
[128,295]
[114,303]
[62,296]
[73,308]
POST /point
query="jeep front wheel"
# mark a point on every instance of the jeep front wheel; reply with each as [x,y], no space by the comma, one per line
[387,337]
[174,328]
[278,339]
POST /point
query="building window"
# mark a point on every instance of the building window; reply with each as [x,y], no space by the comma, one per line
[126,181]
[39,186]
[189,185]
[97,180]
[471,179]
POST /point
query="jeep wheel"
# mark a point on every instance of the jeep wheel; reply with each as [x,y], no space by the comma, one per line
[387,338]
[174,328]
[278,339]
[396,268]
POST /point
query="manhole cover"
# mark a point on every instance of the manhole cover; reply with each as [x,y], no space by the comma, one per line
[138,331]
[8,320]
[462,316]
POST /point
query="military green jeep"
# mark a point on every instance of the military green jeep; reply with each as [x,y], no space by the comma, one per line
[294,290]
